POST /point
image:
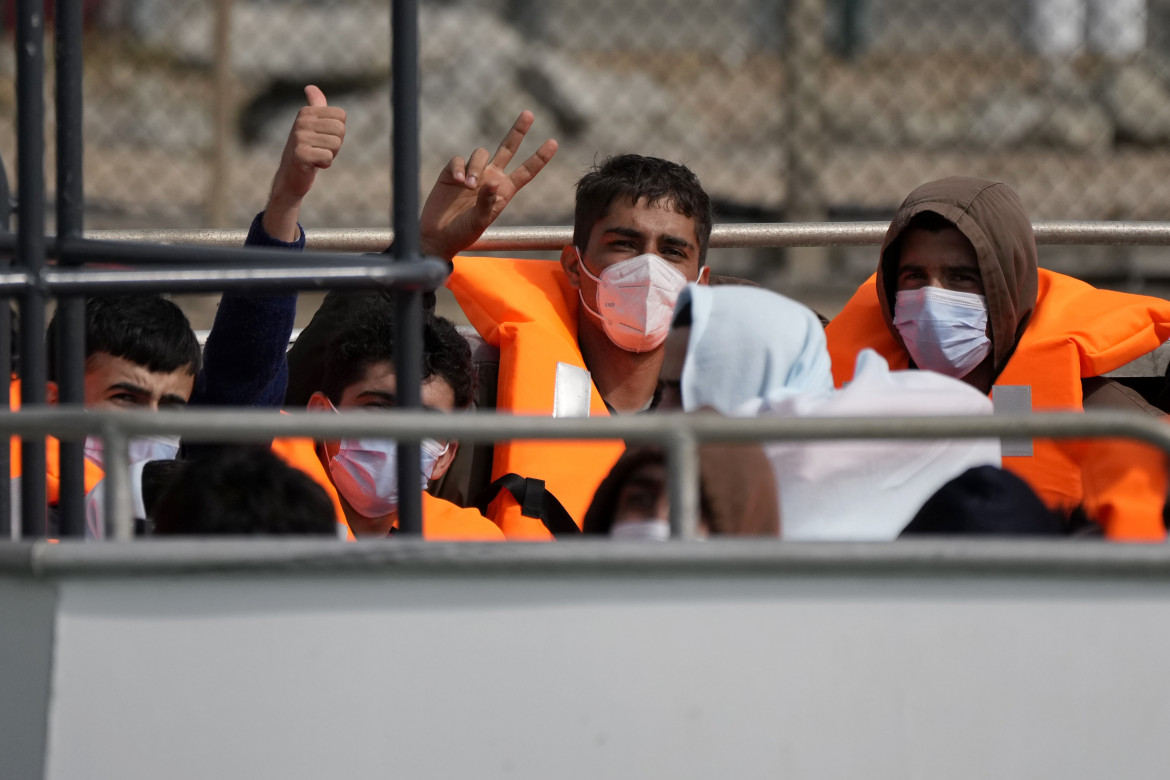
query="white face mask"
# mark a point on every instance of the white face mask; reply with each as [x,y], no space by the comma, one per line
[944,330]
[635,300]
[142,449]
[365,472]
[651,530]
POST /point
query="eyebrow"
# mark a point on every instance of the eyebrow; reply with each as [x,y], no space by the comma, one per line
[643,483]
[628,232]
[392,398]
[379,395]
[129,388]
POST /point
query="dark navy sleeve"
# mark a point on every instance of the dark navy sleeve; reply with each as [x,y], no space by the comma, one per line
[244,360]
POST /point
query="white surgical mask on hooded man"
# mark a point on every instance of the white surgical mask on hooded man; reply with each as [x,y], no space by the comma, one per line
[635,300]
[944,330]
[365,472]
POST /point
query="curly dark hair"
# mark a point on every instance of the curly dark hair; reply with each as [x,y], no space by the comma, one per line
[242,490]
[368,337]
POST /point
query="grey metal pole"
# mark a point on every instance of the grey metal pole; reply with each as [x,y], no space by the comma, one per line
[682,462]
[118,506]
[408,309]
[70,222]
[6,521]
[804,199]
[30,113]
[219,181]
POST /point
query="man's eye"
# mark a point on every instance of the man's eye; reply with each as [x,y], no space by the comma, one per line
[640,500]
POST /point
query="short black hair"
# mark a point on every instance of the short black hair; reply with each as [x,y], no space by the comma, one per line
[147,330]
[368,337]
[636,178]
[243,491]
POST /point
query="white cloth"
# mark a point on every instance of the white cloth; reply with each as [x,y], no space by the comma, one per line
[870,490]
[750,343]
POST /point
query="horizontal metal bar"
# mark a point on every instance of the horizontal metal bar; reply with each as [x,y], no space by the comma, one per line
[133,253]
[425,275]
[245,425]
[730,557]
[722,236]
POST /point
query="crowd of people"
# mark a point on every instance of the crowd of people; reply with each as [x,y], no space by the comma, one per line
[957,320]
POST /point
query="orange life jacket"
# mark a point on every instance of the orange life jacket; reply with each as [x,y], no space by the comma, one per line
[528,310]
[1076,331]
[442,520]
[93,472]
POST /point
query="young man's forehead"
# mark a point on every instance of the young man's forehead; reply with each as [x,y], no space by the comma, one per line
[618,213]
[379,381]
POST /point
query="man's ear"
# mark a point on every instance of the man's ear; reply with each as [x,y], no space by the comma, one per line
[571,263]
[51,393]
[319,402]
[444,461]
[704,275]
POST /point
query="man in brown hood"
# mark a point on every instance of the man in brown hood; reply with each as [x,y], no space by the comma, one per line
[960,292]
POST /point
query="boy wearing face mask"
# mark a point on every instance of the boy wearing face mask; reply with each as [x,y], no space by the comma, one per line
[579,338]
[959,291]
[361,475]
[140,354]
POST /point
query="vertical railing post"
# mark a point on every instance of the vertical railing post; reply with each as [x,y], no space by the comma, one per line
[119,505]
[6,522]
[804,62]
[682,475]
[408,309]
[30,247]
[219,190]
[70,368]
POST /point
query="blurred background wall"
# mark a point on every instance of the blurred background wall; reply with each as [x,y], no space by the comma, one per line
[787,109]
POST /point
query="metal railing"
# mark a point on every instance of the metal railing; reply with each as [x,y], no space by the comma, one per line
[678,434]
[726,236]
[34,282]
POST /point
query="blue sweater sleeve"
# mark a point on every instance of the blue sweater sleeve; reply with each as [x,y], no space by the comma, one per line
[244,359]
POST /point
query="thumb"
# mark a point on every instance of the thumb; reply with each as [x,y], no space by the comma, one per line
[315,96]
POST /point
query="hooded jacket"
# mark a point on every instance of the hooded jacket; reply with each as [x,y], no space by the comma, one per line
[1048,332]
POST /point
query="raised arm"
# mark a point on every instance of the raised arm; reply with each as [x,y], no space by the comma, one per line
[470,194]
[244,361]
[313,144]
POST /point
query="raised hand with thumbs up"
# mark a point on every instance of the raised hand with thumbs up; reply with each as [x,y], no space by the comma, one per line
[313,143]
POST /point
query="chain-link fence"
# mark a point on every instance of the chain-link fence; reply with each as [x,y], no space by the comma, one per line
[797,109]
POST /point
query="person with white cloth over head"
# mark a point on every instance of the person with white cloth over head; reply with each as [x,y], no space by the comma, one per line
[746,351]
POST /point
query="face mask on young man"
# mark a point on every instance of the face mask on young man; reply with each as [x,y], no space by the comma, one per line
[365,472]
[635,300]
[944,330]
[142,449]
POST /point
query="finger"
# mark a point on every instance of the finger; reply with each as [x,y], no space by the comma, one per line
[534,164]
[315,96]
[329,142]
[513,139]
[475,166]
[321,117]
[485,204]
[454,171]
[317,157]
